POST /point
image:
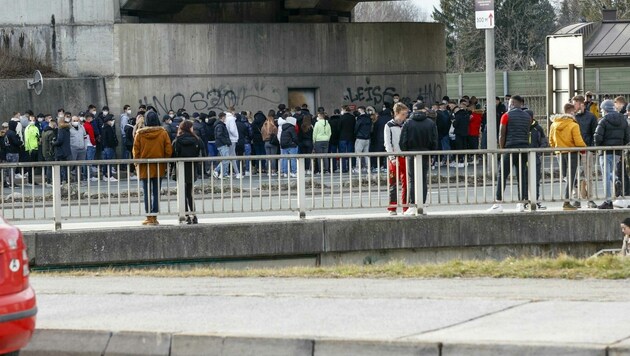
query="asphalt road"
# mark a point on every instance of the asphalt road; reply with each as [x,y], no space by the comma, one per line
[593,312]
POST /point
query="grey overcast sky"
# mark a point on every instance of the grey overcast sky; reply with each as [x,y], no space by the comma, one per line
[427,5]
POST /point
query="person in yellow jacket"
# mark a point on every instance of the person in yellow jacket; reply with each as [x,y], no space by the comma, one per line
[563,133]
[321,139]
[592,106]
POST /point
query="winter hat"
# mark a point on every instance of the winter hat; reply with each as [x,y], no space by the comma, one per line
[626,222]
[165,118]
[195,115]
[152,119]
[608,106]
[418,106]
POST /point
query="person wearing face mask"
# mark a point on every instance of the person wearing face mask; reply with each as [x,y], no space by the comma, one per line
[48,149]
[124,119]
[362,132]
[78,147]
[167,124]
[90,144]
[396,165]
[97,124]
[110,142]
[63,152]
[19,129]
[31,143]
[41,122]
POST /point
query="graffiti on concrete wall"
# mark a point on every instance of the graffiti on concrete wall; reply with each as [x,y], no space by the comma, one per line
[217,98]
[379,94]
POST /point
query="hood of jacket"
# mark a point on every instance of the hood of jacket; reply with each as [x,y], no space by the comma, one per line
[291,120]
[13,125]
[187,139]
[259,117]
[64,125]
[562,121]
[150,132]
[418,116]
[615,119]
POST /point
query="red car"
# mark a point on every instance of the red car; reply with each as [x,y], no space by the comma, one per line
[17,298]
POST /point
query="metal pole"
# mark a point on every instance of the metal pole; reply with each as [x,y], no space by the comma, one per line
[491,116]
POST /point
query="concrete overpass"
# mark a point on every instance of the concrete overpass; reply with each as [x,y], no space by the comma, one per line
[186,11]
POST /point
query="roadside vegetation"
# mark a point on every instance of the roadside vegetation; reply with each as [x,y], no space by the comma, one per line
[12,66]
[564,267]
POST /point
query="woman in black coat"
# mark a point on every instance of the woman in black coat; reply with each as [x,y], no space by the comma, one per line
[186,145]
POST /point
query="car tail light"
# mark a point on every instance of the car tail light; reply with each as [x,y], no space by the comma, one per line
[25,269]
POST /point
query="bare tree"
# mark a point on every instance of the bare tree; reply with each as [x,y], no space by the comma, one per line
[389,11]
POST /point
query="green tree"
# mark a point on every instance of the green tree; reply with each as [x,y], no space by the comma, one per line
[569,13]
[521,28]
[591,10]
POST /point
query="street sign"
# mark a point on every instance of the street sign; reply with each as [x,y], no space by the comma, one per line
[484,14]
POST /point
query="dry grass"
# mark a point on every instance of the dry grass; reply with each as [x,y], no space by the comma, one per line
[17,67]
[565,267]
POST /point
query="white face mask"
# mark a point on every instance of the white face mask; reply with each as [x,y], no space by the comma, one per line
[82,118]
[128,112]
[60,116]
[105,113]
[75,123]
[66,120]
[40,119]
[31,122]
[171,115]
[94,112]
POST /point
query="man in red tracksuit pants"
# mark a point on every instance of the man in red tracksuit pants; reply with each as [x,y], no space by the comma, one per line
[396,165]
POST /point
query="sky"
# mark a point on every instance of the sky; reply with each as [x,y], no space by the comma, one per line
[427,5]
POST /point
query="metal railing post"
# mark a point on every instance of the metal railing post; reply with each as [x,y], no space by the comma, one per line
[181,190]
[56,188]
[532,180]
[418,183]
[301,187]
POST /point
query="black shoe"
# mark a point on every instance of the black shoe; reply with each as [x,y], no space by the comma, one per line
[577,204]
[606,205]
[539,206]
[592,205]
[194,220]
[188,221]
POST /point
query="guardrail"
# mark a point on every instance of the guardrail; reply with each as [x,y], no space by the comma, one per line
[59,191]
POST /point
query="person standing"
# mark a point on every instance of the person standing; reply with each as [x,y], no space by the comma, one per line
[305,140]
[223,142]
[419,133]
[333,145]
[78,146]
[321,138]
[151,141]
[461,123]
[565,132]
[31,143]
[13,146]
[591,105]
[588,124]
[63,152]
[110,142]
[48,149]
[362,131]
[612,130]
[513,133]
[289,146]
[125,116]
[346,136]
[396,165]
[186,145]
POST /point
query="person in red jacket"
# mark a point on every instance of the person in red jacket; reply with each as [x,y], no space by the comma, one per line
[474,129]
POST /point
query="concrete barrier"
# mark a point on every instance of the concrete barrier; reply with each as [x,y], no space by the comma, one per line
[67,343]
[489,236]
[184,345]
[373,348]
[137,343]
[500,349]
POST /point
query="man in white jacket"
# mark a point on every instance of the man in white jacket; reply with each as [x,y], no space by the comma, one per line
[230,123]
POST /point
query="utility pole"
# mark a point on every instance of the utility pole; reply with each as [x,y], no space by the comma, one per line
[485,19]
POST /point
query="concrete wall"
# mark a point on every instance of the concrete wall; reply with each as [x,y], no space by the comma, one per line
[252,66]
[72,94]
[487,236]
[72,36]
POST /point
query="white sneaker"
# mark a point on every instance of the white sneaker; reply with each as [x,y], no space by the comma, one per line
[18,176]
[94,179]
[393,213]
[520,207]
[453,164]
[238,176]
[246,174]
[293,175]
[308,172]
[105,178]
[113,179]
[413,211]
[620,203]
[461,165]
[496,208]
[284,175]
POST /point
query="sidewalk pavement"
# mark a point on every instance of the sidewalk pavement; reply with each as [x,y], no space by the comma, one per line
[268,316]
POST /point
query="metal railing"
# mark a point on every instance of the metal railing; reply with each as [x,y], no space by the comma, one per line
[58,191]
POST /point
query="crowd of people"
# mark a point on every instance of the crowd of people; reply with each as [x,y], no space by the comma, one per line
[393,128]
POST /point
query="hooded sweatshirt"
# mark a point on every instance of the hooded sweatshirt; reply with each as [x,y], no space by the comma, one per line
[230,123]
[288,138]
[565,132]
[12,141]
[77,138]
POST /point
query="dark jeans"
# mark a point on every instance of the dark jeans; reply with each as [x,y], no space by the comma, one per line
[519,162]
[426,160]
[568,169]
[108,153]
[345,147]
[190,203]
[153,197]
[259,150]
[306,148]
[334,148]
[461,143]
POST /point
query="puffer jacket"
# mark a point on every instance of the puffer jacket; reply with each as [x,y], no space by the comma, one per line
[288,137]
[565,132]
[152,142]
[612,130]
[185,146]
[63,151]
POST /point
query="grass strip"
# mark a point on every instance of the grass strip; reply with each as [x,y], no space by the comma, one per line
[564,267]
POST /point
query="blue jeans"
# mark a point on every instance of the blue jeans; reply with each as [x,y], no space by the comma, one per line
[285,161]
[345,147]
[334,148]
[154,198]
[224,169]
[108,153]
[10,173]
[608,163]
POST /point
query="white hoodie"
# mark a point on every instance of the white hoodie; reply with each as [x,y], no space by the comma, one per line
[281,122]
[230,123]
